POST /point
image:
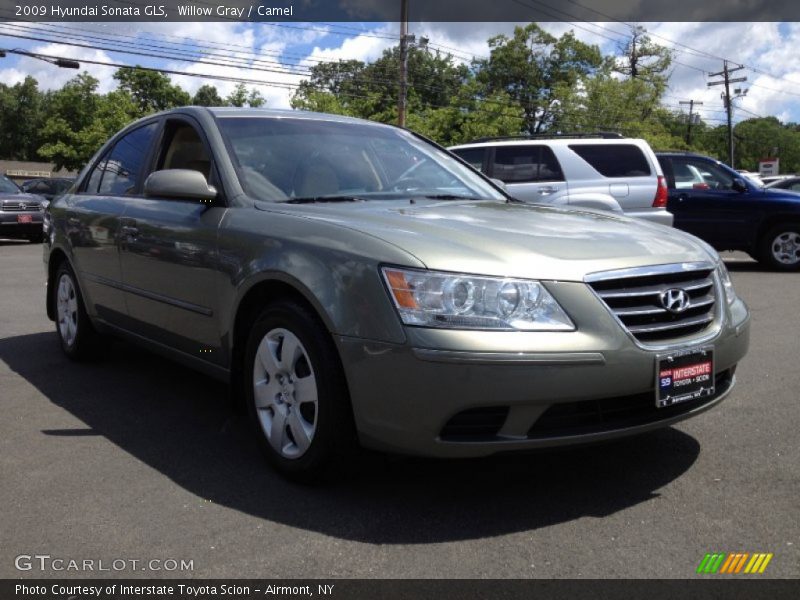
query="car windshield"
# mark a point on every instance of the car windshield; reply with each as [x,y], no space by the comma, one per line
[7,186]
[288,159]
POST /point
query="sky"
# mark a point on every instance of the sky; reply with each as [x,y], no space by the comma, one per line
[768,50]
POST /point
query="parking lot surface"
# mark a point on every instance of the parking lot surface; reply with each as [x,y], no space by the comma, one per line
[136,458]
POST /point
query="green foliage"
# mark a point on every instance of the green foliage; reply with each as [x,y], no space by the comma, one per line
[531,82]
[207,95]
[22,109]
[152,91]
[532,67]
[370,91]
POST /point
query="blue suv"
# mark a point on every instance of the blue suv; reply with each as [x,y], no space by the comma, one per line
[712,201]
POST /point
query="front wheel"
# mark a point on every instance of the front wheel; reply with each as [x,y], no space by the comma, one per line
[295,393]
[780,247]
[77,336]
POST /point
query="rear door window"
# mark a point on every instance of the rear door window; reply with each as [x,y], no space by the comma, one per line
[473,156]
[526,164]
[614,160]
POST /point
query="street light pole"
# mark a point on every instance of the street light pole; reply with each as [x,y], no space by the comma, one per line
[691,104]
[726,81]
[64,63]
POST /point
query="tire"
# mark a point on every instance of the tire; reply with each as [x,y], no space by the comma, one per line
[295,394]
[780,247]
[78,338]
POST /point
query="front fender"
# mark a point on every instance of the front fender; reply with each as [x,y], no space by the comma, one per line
[336,269]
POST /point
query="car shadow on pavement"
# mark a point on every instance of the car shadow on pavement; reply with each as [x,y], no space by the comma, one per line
[180,423]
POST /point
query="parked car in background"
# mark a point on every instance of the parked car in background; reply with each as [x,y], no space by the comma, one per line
[602,171]
[791,183]
[730,212]
[768,179]
[754,177]
[47,187]
[358,285]
[20,212]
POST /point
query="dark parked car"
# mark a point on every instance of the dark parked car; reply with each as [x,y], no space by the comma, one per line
[358,284]
[787,183]
[47,187]
[718,205]
[20,213]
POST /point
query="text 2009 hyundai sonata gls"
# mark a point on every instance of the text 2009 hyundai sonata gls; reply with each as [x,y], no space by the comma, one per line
[358,284]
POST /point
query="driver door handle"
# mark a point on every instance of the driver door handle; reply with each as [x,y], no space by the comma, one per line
[547,190]
[128,228]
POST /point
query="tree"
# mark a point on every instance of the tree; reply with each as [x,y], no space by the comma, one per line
[21,119]
[80,121]
[534,69]
[370,90]
[152,91]
[207,95]
[766,137]
[241,97]
[641,58]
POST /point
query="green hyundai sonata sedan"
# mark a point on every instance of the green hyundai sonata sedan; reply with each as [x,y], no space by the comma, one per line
[358,285]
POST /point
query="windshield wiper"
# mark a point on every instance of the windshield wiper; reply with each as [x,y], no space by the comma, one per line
[448,197]
[315,199]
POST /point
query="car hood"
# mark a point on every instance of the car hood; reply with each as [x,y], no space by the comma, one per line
[16,198]
[515,240]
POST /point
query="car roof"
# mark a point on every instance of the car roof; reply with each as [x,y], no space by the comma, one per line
[551,140]
[275,113]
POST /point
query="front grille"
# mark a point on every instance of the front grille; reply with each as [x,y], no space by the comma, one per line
[598,416]
[475,424]
[18,206]
[636,300]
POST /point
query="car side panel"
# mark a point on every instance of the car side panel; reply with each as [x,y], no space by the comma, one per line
[89,225]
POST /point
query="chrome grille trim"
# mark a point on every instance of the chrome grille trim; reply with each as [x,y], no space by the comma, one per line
[632,296]
[17,206]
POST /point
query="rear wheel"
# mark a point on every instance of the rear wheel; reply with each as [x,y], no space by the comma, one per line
[77,336]
[780,247]
[296,395]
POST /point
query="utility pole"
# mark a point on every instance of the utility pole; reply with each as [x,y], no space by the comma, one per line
[401,100]
[691,104]
[726,97]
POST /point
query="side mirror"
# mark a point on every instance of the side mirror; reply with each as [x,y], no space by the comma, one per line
[739,185]
[183,184]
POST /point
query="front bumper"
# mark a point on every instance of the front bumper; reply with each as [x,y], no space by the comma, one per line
[10,227]
[405,397]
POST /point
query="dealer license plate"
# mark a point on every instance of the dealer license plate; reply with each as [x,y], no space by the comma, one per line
[24,218]
[684,376]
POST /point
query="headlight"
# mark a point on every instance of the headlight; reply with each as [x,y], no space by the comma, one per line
[727,284]
[459,301]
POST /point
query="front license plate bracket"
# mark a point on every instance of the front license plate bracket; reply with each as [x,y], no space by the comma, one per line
[684,375]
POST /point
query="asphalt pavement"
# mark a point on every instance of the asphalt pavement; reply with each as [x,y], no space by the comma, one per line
[135,458]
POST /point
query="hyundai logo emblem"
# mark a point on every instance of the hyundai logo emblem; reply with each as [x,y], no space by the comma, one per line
[675,300]
[22,206]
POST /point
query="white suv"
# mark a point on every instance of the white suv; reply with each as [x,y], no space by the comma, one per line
[603,171]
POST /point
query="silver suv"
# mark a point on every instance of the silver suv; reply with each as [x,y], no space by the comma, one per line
[602,171]
[358,285]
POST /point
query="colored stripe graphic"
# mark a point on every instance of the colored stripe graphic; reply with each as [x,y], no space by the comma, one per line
[722,562]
